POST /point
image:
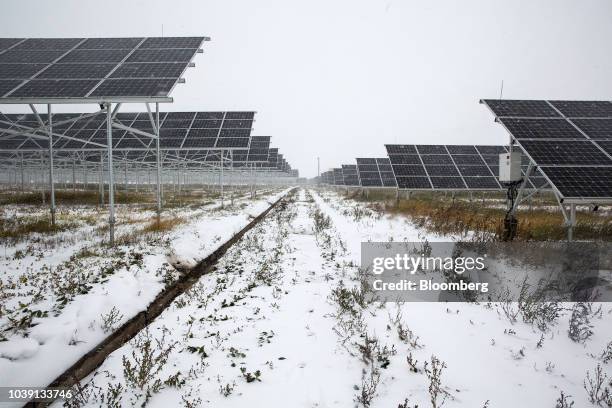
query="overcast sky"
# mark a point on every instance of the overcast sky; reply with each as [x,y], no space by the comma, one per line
[339,78]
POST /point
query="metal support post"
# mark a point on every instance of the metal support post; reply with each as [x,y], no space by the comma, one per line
[158,162]
[51,175]
[111,190]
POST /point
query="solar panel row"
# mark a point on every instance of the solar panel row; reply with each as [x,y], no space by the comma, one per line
[570,141]
[178,130]
[94,68]
[445,167]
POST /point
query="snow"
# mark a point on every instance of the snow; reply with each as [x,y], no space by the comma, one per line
[271,307]
[55,342]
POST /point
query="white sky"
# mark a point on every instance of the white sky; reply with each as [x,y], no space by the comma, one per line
[339,78]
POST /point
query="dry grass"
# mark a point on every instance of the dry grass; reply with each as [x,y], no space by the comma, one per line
[152,229]
[19,228]
[460,217]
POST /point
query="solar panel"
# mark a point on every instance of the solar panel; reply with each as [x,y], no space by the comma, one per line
[606,145]
[258,150]
[149,70]
[541,128]
[447,183]
[175,133]
[595,128]
[433,170]
[77,68]
[467,167]
[413,183]
[586,109]
[349,174]
[367,170]
[20,71]
[581,182]
[565,152]
[338,177]
[521,108]
[572,151]
[481,183]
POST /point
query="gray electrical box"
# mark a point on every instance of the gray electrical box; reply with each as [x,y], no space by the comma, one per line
[510,167]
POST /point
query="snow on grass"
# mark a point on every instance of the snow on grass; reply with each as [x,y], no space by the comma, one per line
[60,304]
[286,319]
[487,356]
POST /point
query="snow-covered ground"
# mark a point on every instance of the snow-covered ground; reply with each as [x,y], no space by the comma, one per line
[56,297]
[283,322]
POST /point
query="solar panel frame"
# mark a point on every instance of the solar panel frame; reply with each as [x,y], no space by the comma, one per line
[466,168]
[57,56]
[577,169]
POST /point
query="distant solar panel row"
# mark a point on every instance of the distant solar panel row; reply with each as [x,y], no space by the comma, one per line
[93,68]
[375,172]
[571,142]
[349,174]
[445,167]
[178,130]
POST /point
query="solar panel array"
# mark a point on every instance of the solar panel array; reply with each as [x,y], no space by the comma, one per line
[38,69]
[349,174]
[570,141]
[375,172]
[178,130]
[445,167]
[338,177]
[257,153]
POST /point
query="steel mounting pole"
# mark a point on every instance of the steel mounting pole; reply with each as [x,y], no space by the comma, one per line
[101,179]
[221,177]
[111,190]
[158,163]
[572,223]
[51,175]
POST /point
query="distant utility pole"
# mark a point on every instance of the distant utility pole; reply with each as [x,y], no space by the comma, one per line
[318,167]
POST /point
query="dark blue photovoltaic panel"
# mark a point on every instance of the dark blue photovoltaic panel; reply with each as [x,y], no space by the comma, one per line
[521,108]
[110,43]
[436,159]
[461,149]
[8,85]
[409,170]
[541,128]
[65,88]
[565,152]
[91,56]
[441,170]
[481,183]
[161,55]
[8,42]
[64,44]
[606,145]
[405,159]
[134,87]
[595,128]
[584,109]
[474,171]
[20,71]
[172,42]
[401,149]
[149,70]
[31,57]
[469,159]
[414,183]
[76,71]
[39,60]
[581,181]
[431,149]
[451,183]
